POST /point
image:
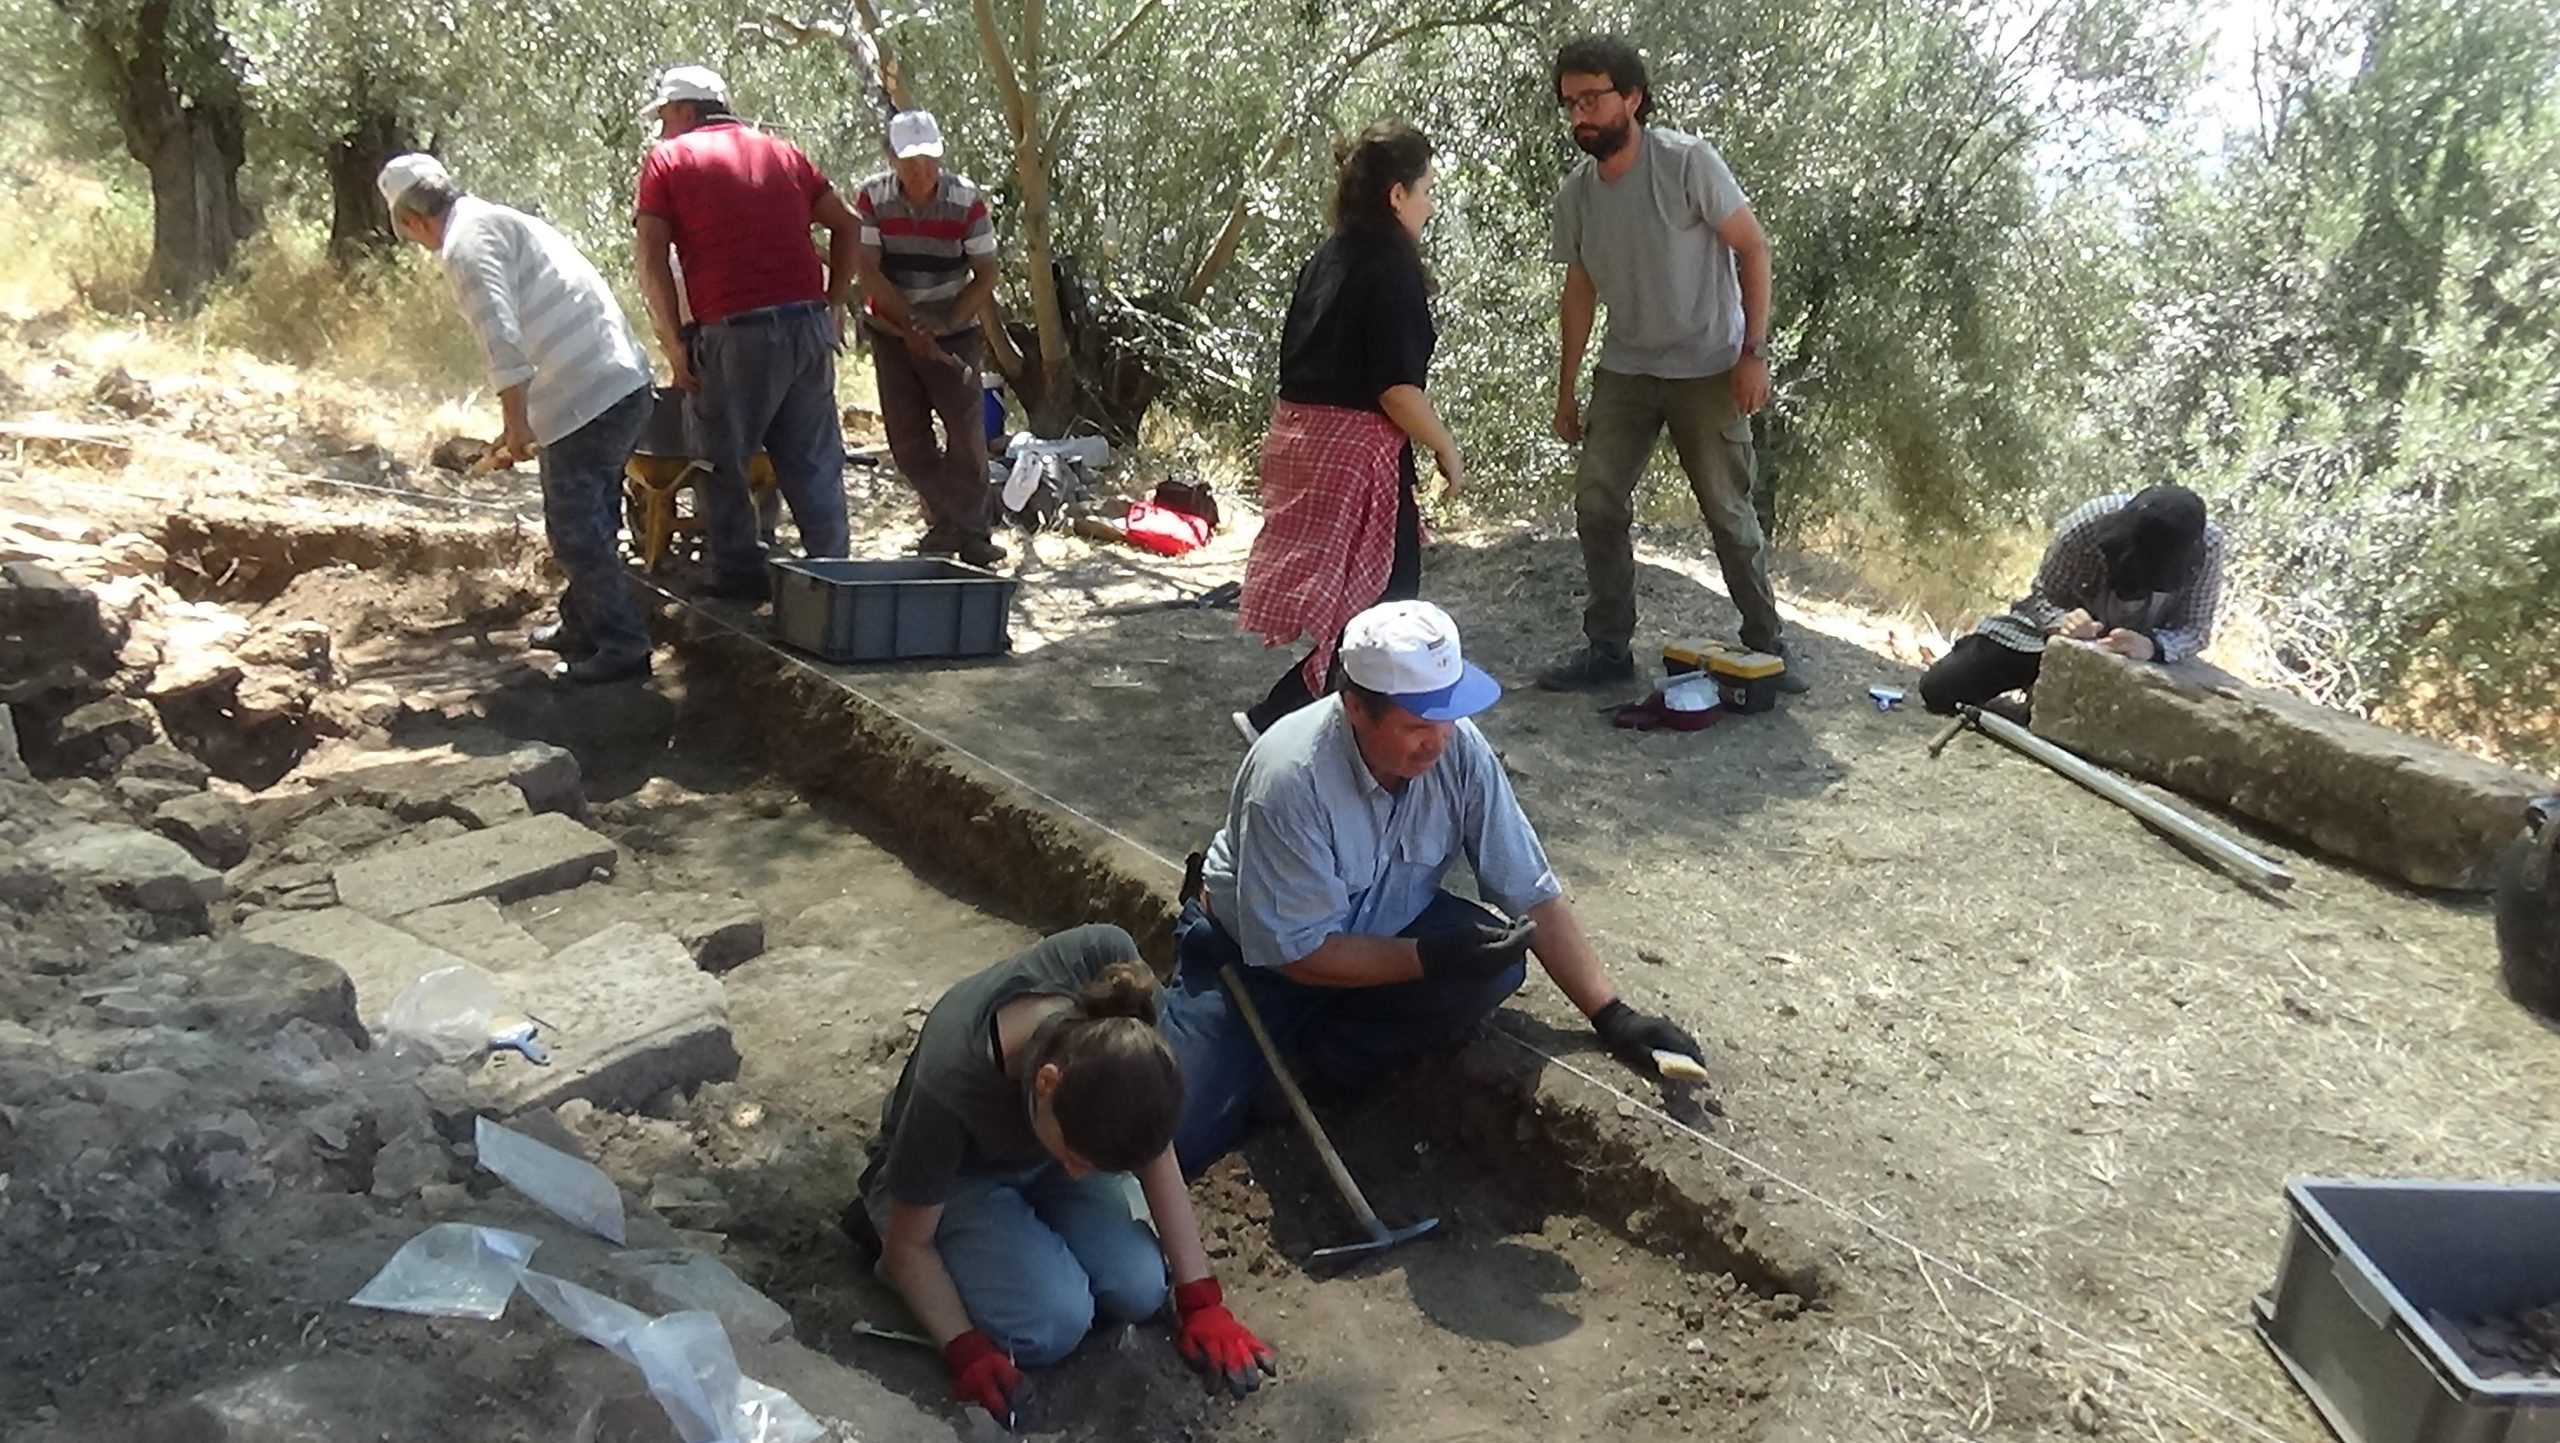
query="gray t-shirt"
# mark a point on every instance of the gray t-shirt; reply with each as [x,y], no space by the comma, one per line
[955,1112]
[1649,241]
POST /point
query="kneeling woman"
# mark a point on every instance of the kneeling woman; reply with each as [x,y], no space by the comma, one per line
[1000,1186]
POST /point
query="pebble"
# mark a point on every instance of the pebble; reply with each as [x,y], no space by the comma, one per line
[1696,1345]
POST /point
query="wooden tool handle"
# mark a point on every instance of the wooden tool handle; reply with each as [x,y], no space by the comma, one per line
[1342,1182]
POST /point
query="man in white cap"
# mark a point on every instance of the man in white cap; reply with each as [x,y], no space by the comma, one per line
[1323,890]
[928,264]
[734,206]
[573,389]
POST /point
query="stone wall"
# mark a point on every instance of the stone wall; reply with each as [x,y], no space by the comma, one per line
[2404,806]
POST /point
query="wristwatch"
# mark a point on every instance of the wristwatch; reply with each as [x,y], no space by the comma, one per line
[1755,350]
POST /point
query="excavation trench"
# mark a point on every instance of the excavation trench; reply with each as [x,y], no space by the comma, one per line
[1591,1268]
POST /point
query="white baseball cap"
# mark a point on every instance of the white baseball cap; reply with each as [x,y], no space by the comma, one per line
[686,82]
[405,173]
[1408,650]
[913,133]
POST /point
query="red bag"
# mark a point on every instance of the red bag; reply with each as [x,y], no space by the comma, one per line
[1163,530]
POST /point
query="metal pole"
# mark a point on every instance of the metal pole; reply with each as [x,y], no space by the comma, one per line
[2230,854]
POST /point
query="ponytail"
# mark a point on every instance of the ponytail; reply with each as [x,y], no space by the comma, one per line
[1119,1093]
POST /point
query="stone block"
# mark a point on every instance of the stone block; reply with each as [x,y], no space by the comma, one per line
[476,931]
[13,763]
[2409,808]
[428,784]
[161,762]
[131,866]
[245,987]
[379,959]
[143,796]
[213,827]
[93,738]
[486,807]
[629,1016]
[524,858]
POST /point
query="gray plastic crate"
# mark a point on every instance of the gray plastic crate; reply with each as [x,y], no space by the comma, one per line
[2364,1264]
[886,610]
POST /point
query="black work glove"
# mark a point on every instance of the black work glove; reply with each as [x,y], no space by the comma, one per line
[1633,1037]
[1474,952]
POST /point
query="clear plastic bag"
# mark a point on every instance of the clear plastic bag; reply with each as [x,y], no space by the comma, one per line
[452,1270]
[571,1187]
[692,1372]
[600,1320]
[447,1014]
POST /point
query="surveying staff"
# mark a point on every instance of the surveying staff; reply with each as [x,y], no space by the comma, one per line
[1340,530]
[927,261]
[2139,575]
[1323,890]
[1000,1191]
[573,389]
[1654,227]
[734,205]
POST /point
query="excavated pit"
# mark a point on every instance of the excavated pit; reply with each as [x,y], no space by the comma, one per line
[1591,1269]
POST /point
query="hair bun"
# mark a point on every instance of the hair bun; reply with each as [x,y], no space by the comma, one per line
[1345,147]
[1123,989]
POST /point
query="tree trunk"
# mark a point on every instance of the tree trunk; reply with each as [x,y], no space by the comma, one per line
[174,83]
[359,223]
[197,218]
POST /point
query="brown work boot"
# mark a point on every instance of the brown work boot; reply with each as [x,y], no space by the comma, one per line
[980,551]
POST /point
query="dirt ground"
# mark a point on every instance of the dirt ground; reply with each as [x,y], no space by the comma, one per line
[1973,1028]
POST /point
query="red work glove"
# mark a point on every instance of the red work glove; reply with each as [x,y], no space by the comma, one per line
[1216,1344]
[982,1374]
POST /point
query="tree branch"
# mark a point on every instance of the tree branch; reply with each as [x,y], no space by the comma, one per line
[864,45]
[1311,103]
[1017,106]
[1057,127]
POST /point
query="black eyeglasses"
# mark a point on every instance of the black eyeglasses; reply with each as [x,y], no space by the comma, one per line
[1582,100]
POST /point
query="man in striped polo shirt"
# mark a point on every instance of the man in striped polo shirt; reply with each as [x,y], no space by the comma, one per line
[928,264]
[573,388]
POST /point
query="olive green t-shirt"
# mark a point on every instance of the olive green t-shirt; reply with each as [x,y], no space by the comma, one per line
[955,1112]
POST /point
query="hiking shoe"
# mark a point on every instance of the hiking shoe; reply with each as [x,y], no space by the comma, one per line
[599,670]
[1586,667]
[980,551]
[1245,727]
[1792,681]
[936,543]
[558,636]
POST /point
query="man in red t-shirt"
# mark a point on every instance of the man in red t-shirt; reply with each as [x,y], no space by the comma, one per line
[735,206]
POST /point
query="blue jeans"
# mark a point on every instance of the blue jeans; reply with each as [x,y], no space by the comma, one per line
[1039,1258]
[769,384]
[582,516]
[1345,1038]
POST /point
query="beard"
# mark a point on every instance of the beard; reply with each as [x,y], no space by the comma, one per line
[1600,143]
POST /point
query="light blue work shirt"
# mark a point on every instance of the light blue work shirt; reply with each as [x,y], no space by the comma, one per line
[1313,845]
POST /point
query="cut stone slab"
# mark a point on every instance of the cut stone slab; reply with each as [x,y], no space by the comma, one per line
[430,783]
[131,866]
[97,736]
[720,932]
[2406,807]
[628,1015]
[380,959]
[147,795]
[526,858]
[476,931]
[214,828]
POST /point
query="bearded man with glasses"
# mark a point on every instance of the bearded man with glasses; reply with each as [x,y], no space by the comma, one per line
[1654,227]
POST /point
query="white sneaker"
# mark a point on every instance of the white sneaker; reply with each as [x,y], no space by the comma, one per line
[1245,727]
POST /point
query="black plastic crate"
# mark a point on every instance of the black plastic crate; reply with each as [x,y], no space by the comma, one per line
[888,610]
[2366,1263]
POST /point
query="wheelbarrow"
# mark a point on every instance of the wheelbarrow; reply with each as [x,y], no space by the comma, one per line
[662,483]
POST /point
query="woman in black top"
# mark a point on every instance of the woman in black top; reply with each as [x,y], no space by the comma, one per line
[1340,530]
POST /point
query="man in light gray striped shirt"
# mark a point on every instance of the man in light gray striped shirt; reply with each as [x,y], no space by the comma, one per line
[573,387]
